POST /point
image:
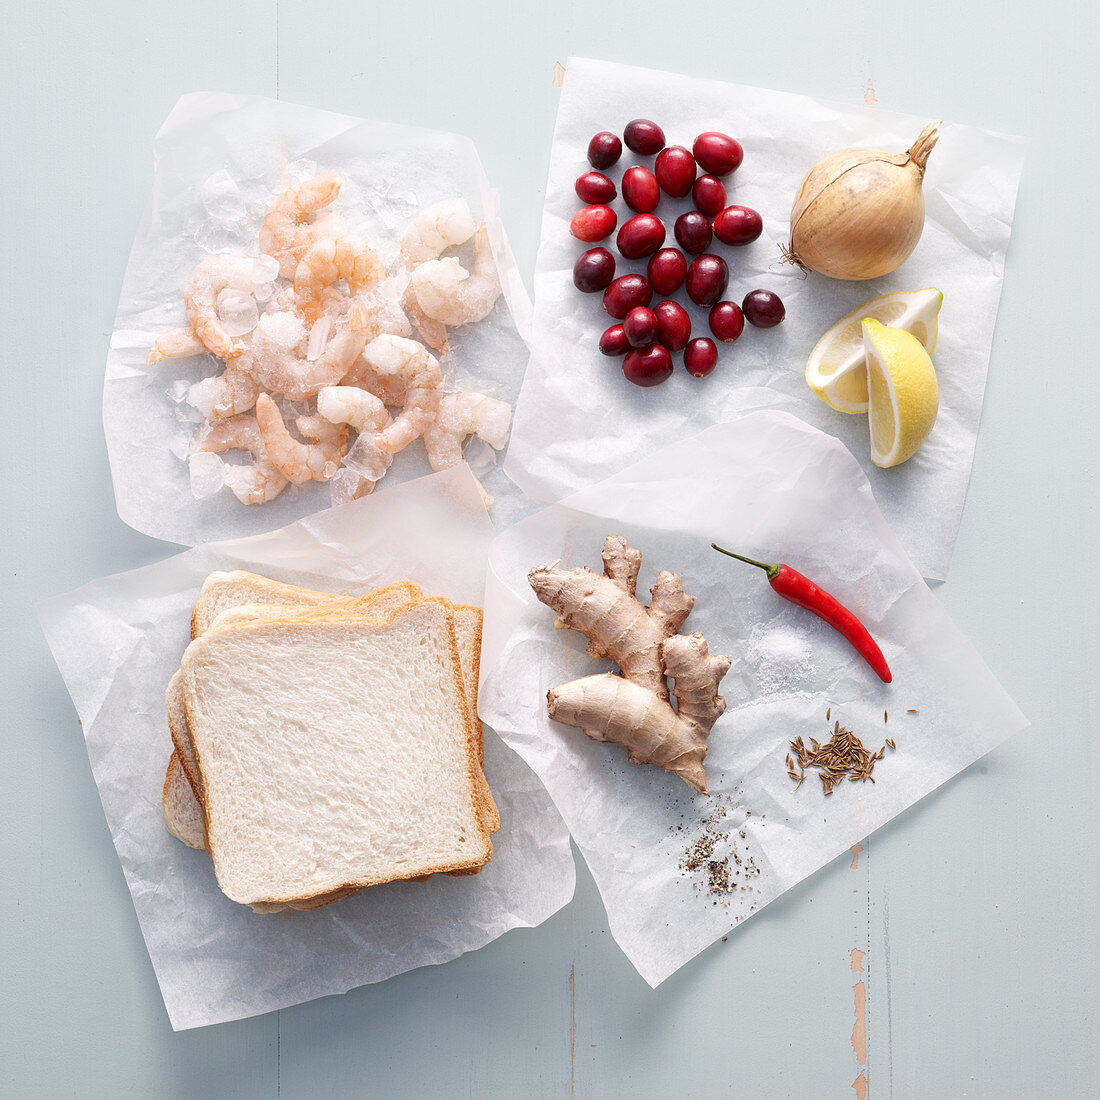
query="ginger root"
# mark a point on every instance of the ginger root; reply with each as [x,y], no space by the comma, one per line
[634,710]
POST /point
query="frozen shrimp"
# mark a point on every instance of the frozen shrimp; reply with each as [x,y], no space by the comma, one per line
[385,302]
[441,226]
[391,390]
[431,331]
[329,260]
[254,483]
[436,228]
[448,293]
[285,234]
[278,358]
[316,460]
[461,415]
[365,463]
[400,362]
[232,392]
[351,405]
[200,297]
[177,343]
[257,483]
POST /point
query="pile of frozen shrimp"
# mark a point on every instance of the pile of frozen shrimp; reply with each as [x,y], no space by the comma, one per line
[330,350]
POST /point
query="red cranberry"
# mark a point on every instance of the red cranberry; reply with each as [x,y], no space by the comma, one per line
[626,292]
[706,279]
[614,342]
[763,308]
[717,153]
[700,357]
[675,171]
[709,194]
[593,270]
[727,322]
[738,225]
[673,325]
[666,270]
[693,232]
[644,137]
[595,187]
[641,236]
[647,366]
[604,149]
[593,223]
[640,326]
[640,190]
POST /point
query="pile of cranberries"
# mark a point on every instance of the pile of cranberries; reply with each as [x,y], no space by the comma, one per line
[649,333]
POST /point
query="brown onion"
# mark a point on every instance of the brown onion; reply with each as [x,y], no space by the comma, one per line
[860,212]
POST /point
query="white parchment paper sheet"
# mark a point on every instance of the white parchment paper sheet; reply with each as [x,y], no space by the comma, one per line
[220,160]
[773,488]
[579,420]
[118,640]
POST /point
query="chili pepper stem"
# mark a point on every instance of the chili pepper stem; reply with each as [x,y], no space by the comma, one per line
[771,570]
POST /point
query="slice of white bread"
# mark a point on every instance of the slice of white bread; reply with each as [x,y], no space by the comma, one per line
[221,591]
[224,591]
[182,811]
[183,814]
[309,789]
[467,626]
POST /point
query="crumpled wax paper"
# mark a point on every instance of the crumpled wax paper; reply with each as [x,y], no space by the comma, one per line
[775,489]
[219,161]
[579,420]
[117,642]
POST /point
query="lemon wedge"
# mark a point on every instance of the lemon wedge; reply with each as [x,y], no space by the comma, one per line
[903,396]
[837,368]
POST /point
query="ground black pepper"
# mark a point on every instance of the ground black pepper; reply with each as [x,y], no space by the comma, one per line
[720,865]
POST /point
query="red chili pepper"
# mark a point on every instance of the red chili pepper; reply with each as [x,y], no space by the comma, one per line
[793,586]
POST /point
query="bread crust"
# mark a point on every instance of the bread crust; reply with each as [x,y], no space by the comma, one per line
[181,823]
[264,590]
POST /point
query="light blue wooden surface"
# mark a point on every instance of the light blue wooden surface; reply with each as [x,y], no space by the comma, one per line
[976,909]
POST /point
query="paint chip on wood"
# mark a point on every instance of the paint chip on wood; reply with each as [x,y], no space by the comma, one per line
[859,1029]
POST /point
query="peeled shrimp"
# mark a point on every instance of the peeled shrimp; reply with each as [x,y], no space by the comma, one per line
[278,358]
[250,484]
[431,331]
[285,234]
[351,405]
[232,392]
[391,391]
[365,463]
[178,343]
[461,415]
[200,298]
[400,362]
[446,292]
[326,262]
[438,227]
[317,460]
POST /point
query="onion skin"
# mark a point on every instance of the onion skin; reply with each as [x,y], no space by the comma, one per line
[860,212]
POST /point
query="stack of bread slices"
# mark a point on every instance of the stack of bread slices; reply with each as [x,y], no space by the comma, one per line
[326,743]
